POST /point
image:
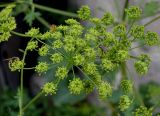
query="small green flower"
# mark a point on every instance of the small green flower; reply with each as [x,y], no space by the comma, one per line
[16,64]
[90,68]
[107,19]
[141,67]
[127,86]
[133,12]
[8,25]
[143,111]
[42,67]
[80,43]
[104,90]
[107,65]
[90,37]
[6,12]
[69,47]
[152,38]
[119,30]
[33,32]
[32,45]
[84,13]
[124,103]
[69,39]
[56,58]
[43,50]
[61,72]
[137,31]
[78,59]
[49,88]
[49,34]
[89,53]
[145,58]
[76,86]
[95,20]
[122,55]
[4,36]
[63,28]
[57,44]
[72,22]
[143,63]
[75,30]
[56,35]
[46,35]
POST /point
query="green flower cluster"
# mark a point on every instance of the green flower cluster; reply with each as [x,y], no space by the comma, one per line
[61,72]
[104,90]
[49,88]
[107,19]
[32,45]
[84,13]
[142,64]
[42,67]
[43,50]
[56,58]
[76,86]
[92,50]
[133,12]
[137,31]
[15,64]
[126,86]
[143,111]
[124,102]
[152,38]
[7,23]
[78,59]
[119,30]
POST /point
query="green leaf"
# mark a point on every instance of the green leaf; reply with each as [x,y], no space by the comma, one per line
[151,8]
[30,17]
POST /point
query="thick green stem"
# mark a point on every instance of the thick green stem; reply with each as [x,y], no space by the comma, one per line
[153,20]
[6,4]
[56,11]
[124,13]
[123,65]
[123,70]
[32,101]
[21,86]
[19,34]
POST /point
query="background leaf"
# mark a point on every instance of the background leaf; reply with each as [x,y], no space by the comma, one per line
[151,9]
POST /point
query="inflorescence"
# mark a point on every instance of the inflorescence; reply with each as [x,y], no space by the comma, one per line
[92,50]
